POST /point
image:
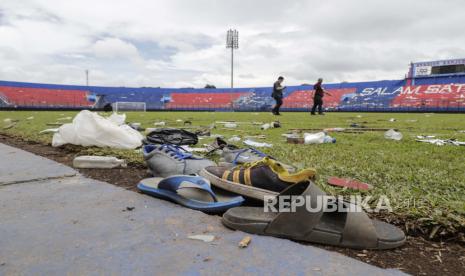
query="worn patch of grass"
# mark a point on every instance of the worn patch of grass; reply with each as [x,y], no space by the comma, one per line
[425,183]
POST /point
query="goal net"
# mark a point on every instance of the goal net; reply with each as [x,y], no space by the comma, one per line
[128,106]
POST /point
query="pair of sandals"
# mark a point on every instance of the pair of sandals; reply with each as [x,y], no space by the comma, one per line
[345,229]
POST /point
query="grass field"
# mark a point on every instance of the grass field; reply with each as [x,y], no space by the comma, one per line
[425,183]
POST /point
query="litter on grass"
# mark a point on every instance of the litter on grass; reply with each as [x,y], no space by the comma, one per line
[392,120]
[98,162]
[230,125]
[64,119]
[91,129]
[234,139]
[116,118]
[393,135]
[266,126]
[318,138]
[49,130]
[30,118]
[440,142]
[189,149]
[204,238]
[159,124]
[256,144]
[349,183]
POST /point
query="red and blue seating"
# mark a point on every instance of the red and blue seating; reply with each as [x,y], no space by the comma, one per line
[27,96]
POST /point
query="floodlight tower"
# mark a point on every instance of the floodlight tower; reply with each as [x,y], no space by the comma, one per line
[232,41]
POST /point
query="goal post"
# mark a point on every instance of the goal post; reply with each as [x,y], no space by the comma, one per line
[129,106]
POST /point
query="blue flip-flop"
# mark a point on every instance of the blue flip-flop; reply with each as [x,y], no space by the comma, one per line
[193,192]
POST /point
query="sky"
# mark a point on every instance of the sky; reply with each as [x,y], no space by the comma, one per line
[181,43]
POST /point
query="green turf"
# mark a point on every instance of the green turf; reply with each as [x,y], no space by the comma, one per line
[425,183]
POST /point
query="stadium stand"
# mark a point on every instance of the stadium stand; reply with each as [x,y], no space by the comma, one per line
[203,100]
[43,97]
[425,93]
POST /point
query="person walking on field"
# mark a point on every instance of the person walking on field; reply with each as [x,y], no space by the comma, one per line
[318,97]
[278,95]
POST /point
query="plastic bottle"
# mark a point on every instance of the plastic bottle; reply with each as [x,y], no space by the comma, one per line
[98,162]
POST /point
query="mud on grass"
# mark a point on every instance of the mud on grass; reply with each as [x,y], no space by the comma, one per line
[418,256]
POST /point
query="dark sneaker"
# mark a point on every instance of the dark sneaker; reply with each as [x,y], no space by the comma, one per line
[266,174]
[167,160]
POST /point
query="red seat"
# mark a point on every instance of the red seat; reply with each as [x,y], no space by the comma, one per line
[203,100]
[26,96]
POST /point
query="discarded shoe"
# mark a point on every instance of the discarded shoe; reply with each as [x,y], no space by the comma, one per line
[167,160]
[233,156]
[257,179]
[193,192]
[353,229]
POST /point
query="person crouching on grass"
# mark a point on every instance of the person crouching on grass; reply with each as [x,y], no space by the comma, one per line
[318,97]
[277,95]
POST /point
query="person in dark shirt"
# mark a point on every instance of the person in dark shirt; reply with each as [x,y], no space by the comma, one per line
[278,95]
[318,97]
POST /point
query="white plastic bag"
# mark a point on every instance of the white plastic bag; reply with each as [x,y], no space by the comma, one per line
[393,135]
[314,138]
[253,143]
[91,129]
[117,118]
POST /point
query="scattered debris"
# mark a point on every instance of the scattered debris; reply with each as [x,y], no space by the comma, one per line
[204,238]
[100,162]
[30,118]
[10,125]
[256,137]
[252,143]
[425,136]
[334,129]
[188,122]
[136,126]
[90,129]
[117,119]
[189,149]
[179,120]
[318,138]
[275,124]
[349,183]
[230,125]
[64,119]
[129,209]
[235,138]
[393,135]
[159,124]
[392,120]
[245,242]
[203,132]
[356,125]
[49,130]
[440,142]
[7,121]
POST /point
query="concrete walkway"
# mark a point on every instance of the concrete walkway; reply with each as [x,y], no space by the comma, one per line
[55,221]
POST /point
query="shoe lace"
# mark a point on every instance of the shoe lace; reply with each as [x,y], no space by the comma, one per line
[176,151]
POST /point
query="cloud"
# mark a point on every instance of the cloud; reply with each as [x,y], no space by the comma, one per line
[181,43]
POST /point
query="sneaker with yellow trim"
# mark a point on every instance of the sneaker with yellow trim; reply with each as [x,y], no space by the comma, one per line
[265,174]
